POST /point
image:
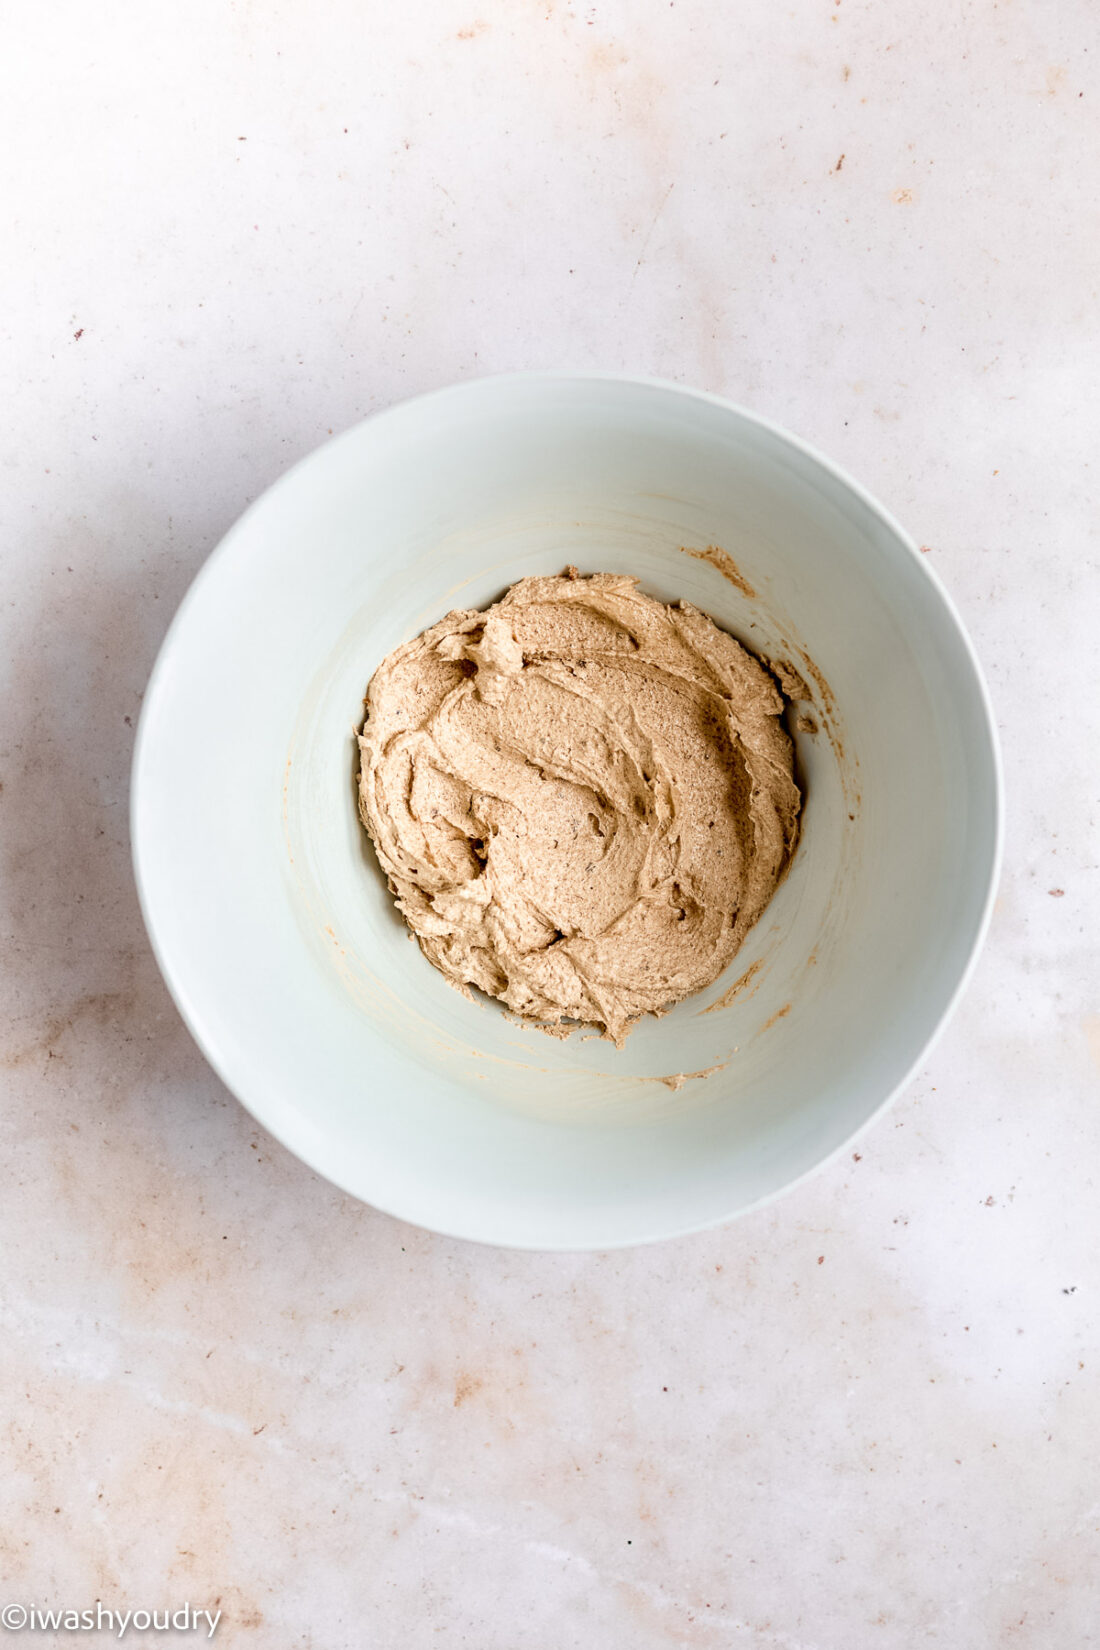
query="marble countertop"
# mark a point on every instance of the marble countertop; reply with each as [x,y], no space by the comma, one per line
[864,1417]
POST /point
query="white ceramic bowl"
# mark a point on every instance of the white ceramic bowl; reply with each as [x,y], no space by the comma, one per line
[272,923]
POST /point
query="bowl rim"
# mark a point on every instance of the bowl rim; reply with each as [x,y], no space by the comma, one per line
[177,987]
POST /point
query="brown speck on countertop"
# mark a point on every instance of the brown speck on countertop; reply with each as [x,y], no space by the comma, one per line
[839,164]
[466,1386]
[79,333]
[857,1157]
[821,1260]
[1056,893]
[926,549]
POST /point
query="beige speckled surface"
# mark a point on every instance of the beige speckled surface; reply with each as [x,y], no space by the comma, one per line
[863,1417]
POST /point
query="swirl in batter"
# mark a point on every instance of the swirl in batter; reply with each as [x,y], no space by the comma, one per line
[583,799]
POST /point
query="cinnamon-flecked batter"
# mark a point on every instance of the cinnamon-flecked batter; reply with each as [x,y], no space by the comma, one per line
[583,799]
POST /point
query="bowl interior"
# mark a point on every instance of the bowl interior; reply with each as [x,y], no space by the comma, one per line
[272,920]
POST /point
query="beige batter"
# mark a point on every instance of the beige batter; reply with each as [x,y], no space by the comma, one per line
[583,799]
